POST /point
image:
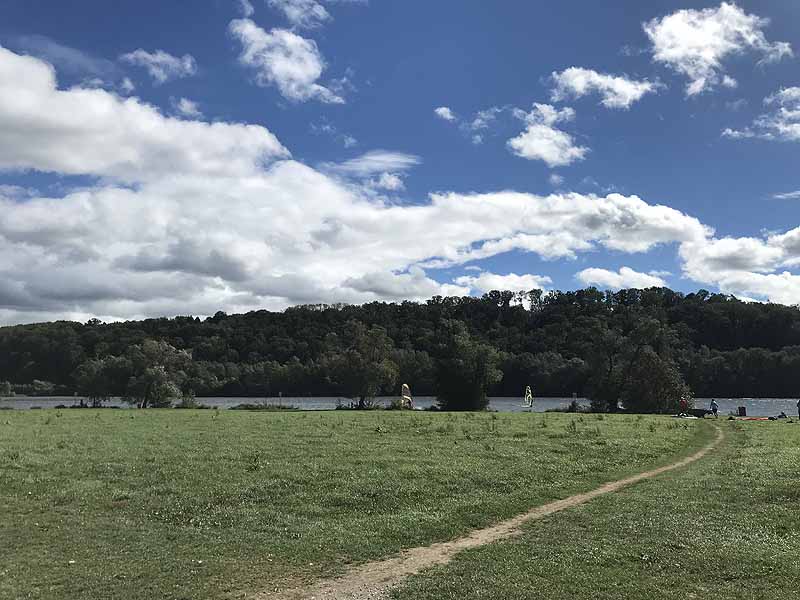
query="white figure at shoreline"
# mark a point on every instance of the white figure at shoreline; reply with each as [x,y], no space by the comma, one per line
[406,401]
[528,402]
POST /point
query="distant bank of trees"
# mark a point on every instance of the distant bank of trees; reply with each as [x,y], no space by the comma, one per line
[644,348]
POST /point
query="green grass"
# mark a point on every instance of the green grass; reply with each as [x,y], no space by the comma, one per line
[726,527]
[209,504]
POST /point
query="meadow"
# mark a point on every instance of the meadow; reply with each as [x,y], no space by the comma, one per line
[209,504]
[726,527]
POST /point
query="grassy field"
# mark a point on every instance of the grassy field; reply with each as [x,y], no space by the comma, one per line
[203,504]
[727,527]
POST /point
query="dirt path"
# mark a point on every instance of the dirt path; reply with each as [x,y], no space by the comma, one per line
[372,581]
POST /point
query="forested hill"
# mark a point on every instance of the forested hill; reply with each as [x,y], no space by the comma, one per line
[558,342]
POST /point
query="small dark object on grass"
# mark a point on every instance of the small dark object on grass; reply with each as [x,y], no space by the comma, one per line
[699,412]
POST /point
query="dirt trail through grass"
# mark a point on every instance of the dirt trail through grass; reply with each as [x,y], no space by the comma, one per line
[372,581]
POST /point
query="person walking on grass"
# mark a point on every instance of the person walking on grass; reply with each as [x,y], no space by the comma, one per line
[714,407]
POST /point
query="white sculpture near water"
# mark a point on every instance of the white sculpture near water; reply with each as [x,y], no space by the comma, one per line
[528,402]
[406,401]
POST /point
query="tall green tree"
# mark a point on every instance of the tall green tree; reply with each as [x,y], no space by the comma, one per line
[159,374]
[364,367]
[465,369]
[653,384]
[92,380]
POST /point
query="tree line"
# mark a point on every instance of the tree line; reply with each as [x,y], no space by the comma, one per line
[635,347]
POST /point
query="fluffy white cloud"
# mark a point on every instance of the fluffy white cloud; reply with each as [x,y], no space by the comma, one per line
[617,280]
[616,91]
[543,141]
[389,181]
[748,266]
[555,226]
[782,124]
[284,59]
[94,132]
[486,282]
[188,108]
[161,65]
[246,8]
[191,217]
[445,113]
[484,118]
[414,284]
[307,14]
[695,43]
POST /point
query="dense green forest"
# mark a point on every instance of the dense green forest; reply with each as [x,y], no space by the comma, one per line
[595,344]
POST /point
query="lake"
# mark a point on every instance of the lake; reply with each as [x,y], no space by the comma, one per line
[755,406]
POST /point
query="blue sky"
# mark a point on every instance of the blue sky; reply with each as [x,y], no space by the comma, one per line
[388,150]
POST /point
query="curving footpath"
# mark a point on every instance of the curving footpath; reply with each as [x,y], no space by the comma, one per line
[372,581]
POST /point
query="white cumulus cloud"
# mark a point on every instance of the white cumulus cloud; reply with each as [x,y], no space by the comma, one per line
[307,14]
[161,65]
[748,266]
[94,132]
[696,43]
[617,280]
[616,91]
[541,140]
[284,59]
[184,216]
[487,282]
[781,124]
[389,181]
[246,8]
[445,113]
[188,108]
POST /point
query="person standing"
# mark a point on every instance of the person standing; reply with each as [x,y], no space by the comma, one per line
[714,407]
[684,406]
[798,409]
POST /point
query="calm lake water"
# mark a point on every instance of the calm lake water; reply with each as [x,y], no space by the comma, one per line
[756,407]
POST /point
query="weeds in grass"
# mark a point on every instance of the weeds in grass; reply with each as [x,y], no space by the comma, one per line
[253,462]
